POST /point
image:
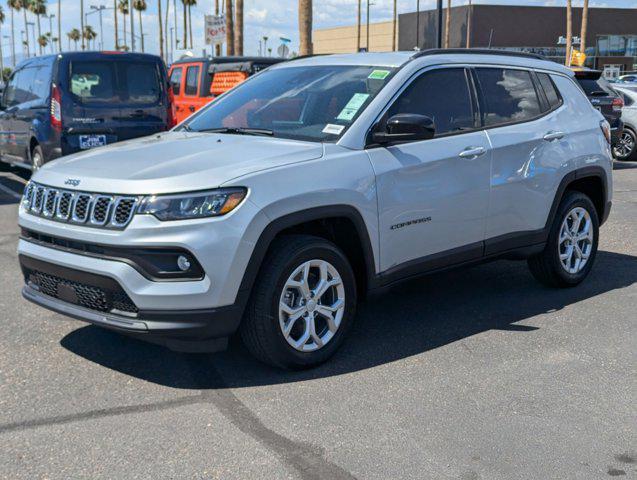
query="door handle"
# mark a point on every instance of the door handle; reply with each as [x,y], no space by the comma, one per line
[550,136]
[472,152]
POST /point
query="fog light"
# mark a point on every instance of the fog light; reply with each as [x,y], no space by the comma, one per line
[183,263]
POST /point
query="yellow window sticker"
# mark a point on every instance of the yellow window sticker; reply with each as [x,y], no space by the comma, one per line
[353,106]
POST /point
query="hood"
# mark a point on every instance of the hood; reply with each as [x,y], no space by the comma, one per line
[173,162]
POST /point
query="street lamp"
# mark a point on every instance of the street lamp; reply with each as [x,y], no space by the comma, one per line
[369,3]
[50,17]
[99,9]
[32,25]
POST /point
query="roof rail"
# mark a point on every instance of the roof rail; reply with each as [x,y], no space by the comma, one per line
[476,51]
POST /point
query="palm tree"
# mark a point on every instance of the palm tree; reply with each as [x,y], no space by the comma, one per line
[60,25]
[1,53]
[448,24]
[584,31]
[166,31]
[82,22]
[161,30]
[395,26]
[469,18]
[238,27]
[17,5]
[43,41]
[116,26]
[229,29]
[13,5]
[140,6]
[185,4]
[89,35]
[191,3]
[569,32]
[38,8]
[305,27]
[358,28]
[75,36]
[123,9]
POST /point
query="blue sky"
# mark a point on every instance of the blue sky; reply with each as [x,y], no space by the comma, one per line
[274,18]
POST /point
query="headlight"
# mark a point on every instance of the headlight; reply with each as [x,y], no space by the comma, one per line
[187,206]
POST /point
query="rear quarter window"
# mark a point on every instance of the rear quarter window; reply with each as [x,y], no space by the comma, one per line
[175,80]
[192,81]
[550,90]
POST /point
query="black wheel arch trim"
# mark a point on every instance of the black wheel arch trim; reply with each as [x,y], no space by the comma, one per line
[297,218]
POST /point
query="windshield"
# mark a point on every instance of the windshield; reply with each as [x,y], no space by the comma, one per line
[301,103]
[597,86]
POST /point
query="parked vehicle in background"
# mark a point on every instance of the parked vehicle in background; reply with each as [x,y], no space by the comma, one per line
[197,81]
[60,104]
[604,98]
[272,210]
[628,78]
[626,147]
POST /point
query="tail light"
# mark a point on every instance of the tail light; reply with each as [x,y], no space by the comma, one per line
[605,126]
[171,118]
[618,104]
[56,108]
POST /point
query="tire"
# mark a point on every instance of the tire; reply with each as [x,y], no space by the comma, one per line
[626,147]
[262,329]
[547,266]
[37,158]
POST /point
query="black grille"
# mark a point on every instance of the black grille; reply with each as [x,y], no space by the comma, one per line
[100,210]
[123,211]
[87,296]
[80,212]
[49,203]
[64,205]
[38,199]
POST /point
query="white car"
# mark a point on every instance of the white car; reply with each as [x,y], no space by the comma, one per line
[278,207]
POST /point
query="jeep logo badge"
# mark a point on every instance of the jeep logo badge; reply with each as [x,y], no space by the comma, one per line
[72,181]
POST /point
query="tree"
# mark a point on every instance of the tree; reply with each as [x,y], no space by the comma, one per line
[448,24]
[161,30]
[89,35]
[43,41]
[74,35]
[17,6]
[305,26]
[6,74]
[14,5]
[188,4]
[395,26]
[82,23]
[229,29]
[38,8]
[358,27]
[238,27]
[469,19]
[59,38]
[115,20]
[569,32]
[123,9]
[584,31]
[2,18]
[140,6]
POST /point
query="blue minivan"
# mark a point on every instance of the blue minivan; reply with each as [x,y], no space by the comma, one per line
[61,104]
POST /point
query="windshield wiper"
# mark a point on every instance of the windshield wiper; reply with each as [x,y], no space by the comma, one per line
[238,131]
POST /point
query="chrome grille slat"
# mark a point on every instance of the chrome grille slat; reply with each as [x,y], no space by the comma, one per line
[82,208]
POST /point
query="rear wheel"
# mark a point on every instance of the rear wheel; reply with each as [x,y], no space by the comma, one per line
[626,146]
[572,244]
[302,305]
[37,158]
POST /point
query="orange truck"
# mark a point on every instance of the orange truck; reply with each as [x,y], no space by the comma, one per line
[195,82]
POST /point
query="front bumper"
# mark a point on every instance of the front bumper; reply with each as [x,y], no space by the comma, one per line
[181,330]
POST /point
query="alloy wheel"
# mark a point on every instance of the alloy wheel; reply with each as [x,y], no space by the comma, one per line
[625,146]
[575,242]
[312,305]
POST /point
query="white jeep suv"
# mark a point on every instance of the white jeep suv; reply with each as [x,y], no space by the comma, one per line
[284,202]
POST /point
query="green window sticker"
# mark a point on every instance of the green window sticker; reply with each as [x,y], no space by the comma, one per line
[378,75]
[353,106]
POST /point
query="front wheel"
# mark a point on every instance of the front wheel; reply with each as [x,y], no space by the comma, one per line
[571,248]
[626,146]
[37,158]
[303,303]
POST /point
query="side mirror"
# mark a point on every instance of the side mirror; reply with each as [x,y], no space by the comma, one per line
[406,127]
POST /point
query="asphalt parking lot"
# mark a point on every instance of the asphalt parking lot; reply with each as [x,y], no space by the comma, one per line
[479,374]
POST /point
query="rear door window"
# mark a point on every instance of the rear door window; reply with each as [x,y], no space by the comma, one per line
[429,95]
[192,81]
[508,96]
[175,80]
[107,82]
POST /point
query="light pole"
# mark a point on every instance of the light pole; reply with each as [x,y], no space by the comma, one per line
[132,25]
[172,45]
[265,45]
[369,3]
[32,25]
[25,42]
[99,9]
[440,23]
[50,17]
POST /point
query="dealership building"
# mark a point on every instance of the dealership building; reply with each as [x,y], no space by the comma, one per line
[611,40]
